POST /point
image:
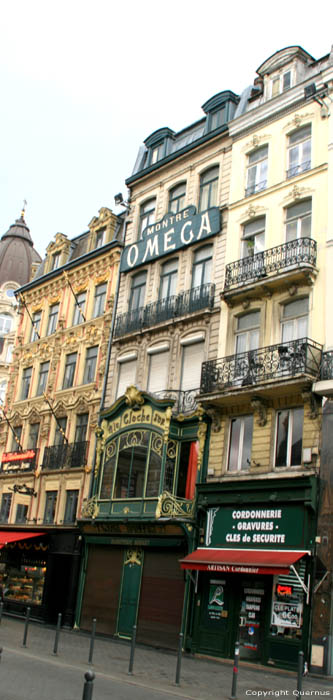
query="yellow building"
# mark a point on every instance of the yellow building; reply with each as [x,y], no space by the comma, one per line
[51,413]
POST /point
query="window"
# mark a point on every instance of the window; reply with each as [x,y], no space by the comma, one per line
[209,189]
[16,438]
[217,118]
[80,302]
[59,437]
[240,443]
[295,320]
[298,221]
[26,379]
[5,323]
[33,435]
[289,432]
[253,241]
[100,236]
[50,507]
[36,319]
[257,171]
[99,300]
[72,497]
[69,370]
[147,215]
[53,318]
[55,261]
[247,334]
[21,513]
[168,283]
[193,356]
[158,369]
[3,388]
[177,198]
[9,353]
[42,378]
[126,373]
[81,427]
[202,266]
[299,151]
[138,291]
[134,467]
[6,502]
[90,366]
[280,83]
[156,153]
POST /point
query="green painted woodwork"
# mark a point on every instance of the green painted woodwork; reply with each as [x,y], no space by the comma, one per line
[130,592]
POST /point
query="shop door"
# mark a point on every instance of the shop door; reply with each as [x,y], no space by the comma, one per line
[215,606]
[130,592]
[253,604]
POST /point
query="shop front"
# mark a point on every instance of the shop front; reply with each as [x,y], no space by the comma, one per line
[253,573]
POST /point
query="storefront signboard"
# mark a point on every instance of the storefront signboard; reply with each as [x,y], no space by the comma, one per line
[286,614]
[146,415]
[261,526]
[18,461]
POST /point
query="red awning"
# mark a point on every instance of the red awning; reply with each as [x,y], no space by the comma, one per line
[242,561]
[7,537]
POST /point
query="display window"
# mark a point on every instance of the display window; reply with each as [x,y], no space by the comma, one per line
[287,605]
[24,584]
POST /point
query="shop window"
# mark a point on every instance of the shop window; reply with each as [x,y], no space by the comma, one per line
[33,435]
[299,151]
[168,280]
[53,319]
[36,320]
[90,366]
[81,427]
[80,302]
[138,290]
[147,215]
[21,513]
[287,604]
[177,198]
[240,443]
[50,507]
[192,359]
[126,373]
[99,299]
[42,378]
[72,497]
[289,434]
[133,464]
[208,196]
[247,333]
[295,320]
[6,503]
[158,369]
[26,381]
[257,165]
[25,584]
[253,241]
[298,221]
[69,372]
[5,323]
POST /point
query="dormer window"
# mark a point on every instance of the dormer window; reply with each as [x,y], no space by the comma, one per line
[100,238]
[217,118]
[55,261]
[281,82]
[158,145]
[220,109]
[156,153]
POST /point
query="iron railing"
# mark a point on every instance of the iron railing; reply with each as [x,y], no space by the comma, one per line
[19,461]
[185,401]
[256,187]
[282,361]
[326,370]
[297,169]
[65,456]
[298,252]
[164,309]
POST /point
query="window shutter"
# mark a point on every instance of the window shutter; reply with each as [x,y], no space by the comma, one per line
[193,356]
[158,372]
[126,376]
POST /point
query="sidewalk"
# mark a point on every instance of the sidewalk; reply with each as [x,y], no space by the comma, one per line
[200,678]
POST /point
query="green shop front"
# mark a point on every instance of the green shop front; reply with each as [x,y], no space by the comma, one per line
[253,570]
[140,519]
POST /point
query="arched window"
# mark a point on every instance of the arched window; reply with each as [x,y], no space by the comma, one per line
[133,465]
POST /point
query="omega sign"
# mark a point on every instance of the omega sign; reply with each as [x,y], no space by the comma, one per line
[173,232]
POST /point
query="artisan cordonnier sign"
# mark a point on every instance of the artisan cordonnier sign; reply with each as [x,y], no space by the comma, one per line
[173,232]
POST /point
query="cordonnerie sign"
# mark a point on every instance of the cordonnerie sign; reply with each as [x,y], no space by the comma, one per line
[173,232]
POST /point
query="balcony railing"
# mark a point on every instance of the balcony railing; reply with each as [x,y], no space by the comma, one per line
[185,401]
[297,169]
[282,361]
[65,456]
[326,371]
[297,252]
[165,309]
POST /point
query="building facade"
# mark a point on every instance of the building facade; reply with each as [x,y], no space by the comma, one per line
[260,566]
[154,434]
[51,413]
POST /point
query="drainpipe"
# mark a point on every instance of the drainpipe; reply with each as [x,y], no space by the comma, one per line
[330,636]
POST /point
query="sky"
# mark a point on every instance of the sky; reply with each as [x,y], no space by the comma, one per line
[84,83]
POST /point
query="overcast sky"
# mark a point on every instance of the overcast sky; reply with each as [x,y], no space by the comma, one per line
[84,83]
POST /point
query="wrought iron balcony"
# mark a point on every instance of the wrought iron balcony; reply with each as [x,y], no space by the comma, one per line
[297,169]
[65,456]
[165,309]
[326,371]
[185,401]
[302,251]
[282,361]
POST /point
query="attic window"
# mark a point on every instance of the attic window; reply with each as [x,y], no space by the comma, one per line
[217,118]
[156,153]
[100,235]
[55,261]
[280,83]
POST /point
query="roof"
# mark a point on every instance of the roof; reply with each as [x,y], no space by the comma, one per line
[17,253]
